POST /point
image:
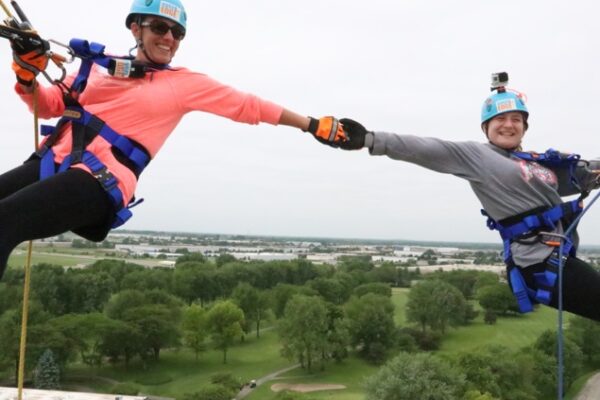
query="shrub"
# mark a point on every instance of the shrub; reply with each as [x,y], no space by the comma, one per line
[211,392]
[126,388]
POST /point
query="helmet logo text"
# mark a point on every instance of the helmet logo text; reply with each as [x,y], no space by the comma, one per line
[506,105]
[170,10]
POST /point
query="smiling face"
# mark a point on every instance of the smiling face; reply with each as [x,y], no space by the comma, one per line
[506,130]
[155,47]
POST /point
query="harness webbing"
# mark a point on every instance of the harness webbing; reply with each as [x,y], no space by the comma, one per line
[553,158]
[531,224]
[85,127]
[536,222]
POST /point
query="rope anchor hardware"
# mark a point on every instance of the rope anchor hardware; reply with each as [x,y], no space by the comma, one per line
[20,30]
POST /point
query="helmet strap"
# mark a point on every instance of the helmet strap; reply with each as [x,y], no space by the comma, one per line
[131,50]
[140,45]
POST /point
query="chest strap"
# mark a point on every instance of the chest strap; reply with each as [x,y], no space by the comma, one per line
[85,127]
[554,158]
[532,222]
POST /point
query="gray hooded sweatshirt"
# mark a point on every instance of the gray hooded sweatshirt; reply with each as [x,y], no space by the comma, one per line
[504,184]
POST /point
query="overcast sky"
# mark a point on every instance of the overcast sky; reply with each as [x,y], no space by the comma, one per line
[419,67]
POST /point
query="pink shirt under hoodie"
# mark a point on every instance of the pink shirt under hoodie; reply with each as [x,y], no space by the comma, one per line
[147,110]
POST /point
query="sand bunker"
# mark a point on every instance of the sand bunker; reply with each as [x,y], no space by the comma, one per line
[304,388]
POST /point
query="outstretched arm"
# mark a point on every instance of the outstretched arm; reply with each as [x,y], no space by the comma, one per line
[290,118]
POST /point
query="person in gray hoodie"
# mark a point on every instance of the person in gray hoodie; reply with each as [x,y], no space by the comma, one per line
[520,193]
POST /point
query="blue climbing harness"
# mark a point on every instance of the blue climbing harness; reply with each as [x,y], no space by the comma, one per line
[86,126]
[540,222]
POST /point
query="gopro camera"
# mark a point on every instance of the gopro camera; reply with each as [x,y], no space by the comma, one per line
[499,80]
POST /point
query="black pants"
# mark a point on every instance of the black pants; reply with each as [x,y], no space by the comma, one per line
[32,209]
[581,287]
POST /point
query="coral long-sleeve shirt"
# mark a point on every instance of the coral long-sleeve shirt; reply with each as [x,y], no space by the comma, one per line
[147,110]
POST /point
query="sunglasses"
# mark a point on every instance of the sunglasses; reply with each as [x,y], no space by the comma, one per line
[161,28]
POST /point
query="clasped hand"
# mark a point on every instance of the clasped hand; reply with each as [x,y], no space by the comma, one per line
[346,133]
[30,57]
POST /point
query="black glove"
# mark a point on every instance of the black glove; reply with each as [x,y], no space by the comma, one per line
[356,134]
[29,57]
[28,42]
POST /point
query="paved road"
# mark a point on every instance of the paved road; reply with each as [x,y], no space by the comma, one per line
[246,390]
[591,390]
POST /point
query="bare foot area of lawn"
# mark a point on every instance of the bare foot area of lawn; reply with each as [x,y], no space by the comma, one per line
[304,388]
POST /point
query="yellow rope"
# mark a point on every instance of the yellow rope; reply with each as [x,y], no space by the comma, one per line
[27,282]
[6,9]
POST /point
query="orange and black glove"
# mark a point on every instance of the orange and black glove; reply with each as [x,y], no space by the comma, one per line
[327,130]
[29,57]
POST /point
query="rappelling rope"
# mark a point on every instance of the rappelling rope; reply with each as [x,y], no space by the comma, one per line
[560,335]
[27,283]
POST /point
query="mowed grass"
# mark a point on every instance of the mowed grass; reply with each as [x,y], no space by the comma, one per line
[178,373]
[513,332]
[399,299]
[350,373]
[18,257]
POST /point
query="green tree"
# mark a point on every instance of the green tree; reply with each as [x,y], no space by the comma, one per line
[497,298]
[436,304]
[225,320]
[573,357]
[375,288]
[224,258]
[371,325]
[477,395]
[39,336]
[148,279]
[361,263]
[155,315]
[47,372]
[89,290]
[253,303]
[416,376]
[195,328]
[283,292]
[303,330]
[84,334]
[49,289]
[385,273]
[115,269]
[500,372]
[585,333]
[157,327]
[122,341]
[194,257]
[330,289]
[194,281]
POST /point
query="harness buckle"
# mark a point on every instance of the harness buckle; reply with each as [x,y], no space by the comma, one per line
[106,178]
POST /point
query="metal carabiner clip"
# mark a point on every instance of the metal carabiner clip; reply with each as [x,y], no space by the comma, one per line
[59,60]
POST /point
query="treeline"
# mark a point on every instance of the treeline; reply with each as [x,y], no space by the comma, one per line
[116,312]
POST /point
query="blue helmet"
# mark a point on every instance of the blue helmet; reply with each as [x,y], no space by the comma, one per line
[169,9]
[502,102]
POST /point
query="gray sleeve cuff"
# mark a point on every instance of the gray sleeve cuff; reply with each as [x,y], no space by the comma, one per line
[369,139]
[377,146]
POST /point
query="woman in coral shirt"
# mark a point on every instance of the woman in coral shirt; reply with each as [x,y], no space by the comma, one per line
[114,121]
